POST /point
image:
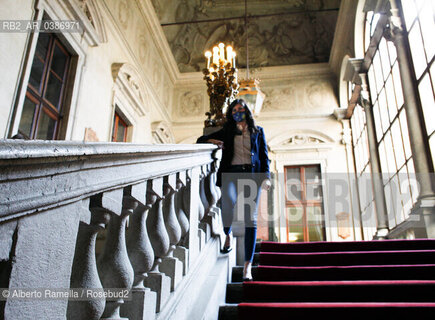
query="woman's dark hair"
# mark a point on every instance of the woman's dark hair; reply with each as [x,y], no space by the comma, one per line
[230,124]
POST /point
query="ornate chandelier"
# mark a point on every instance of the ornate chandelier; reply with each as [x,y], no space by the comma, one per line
[222,85]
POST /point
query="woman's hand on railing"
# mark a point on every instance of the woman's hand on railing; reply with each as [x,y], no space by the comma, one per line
[267,184]
[219,143]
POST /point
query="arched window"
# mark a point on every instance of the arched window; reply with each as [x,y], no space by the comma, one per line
[386,95]
[391,128]
[370,24]
[419,20]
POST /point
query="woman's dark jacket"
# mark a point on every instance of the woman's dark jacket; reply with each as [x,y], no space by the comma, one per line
[259,157]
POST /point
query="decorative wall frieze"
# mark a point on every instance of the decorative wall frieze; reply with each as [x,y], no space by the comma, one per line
[303,139]
[300,139]
[129,84]
[279,98]
[162,132]
[92,12]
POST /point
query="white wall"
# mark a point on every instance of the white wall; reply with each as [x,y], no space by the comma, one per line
[129,39]
[12,56]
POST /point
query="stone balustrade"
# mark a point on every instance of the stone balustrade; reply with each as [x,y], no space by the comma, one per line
[154,207]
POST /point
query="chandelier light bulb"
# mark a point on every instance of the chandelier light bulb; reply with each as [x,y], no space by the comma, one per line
[208,56]
[222,52]
[229,54]
[216,55]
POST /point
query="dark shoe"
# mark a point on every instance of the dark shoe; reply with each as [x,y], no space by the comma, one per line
[247,279]
[227,246]
[226,250]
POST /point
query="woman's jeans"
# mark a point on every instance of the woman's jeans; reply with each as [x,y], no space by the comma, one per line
[240,198]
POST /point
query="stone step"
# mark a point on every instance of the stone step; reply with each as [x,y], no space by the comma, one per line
[234,293]
[237,274]
[228,312]
[376,291]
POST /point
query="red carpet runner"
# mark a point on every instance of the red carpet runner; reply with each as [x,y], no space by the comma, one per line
[359,280]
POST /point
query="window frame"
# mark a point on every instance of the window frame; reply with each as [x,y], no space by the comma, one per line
[117,118]
[38,95]
[304,203]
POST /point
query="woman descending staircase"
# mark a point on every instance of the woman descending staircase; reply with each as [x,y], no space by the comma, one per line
[378,279]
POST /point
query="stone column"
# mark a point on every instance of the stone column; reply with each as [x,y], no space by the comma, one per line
[171,266]
[425,206]
[157,281]
[141,254]
[114,267]
[375,163]
[84,272]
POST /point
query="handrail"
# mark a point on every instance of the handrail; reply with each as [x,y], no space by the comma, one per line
[77,170]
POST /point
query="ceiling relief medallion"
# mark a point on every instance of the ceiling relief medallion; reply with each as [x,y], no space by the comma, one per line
[280,32]
[317,94]
[191,104]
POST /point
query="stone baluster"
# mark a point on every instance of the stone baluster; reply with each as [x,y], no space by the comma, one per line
[186,194]
[215,192]
[114,267]
[179,203]
[84,272]
[202,190]
[141,254]
[185,204]
[157,281]
[171,266]
[215,170]
[201,211]
[180,251]
[210,188]
[201,208]
[191,208]
[205,222]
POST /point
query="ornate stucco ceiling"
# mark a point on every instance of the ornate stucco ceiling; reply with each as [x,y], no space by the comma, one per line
[280,32]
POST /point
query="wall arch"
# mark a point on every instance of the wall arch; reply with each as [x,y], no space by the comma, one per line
[359,30]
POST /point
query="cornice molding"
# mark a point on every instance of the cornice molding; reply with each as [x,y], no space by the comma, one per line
[344,32]
[292,72]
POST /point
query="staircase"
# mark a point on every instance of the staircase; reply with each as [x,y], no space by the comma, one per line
[360,279]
